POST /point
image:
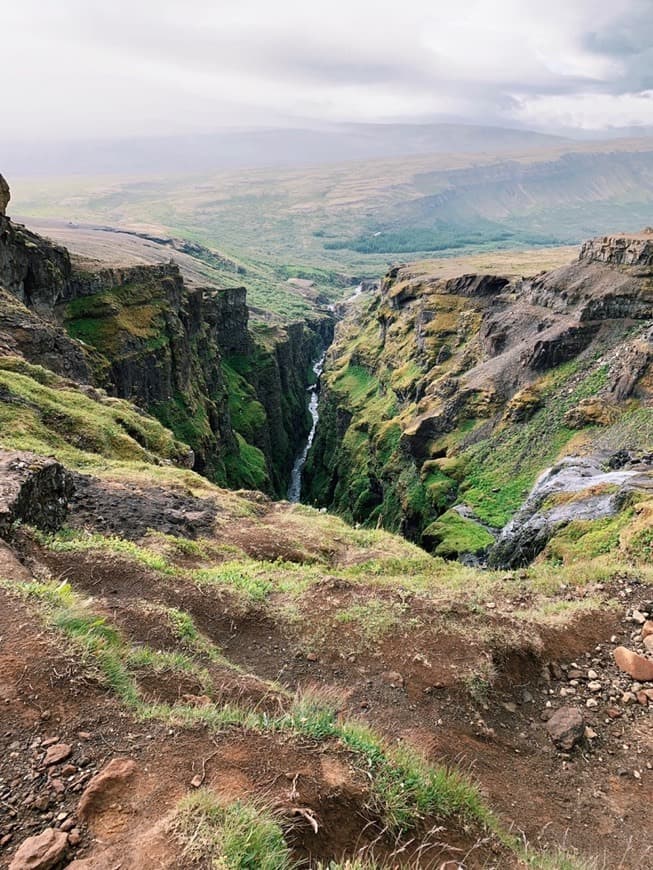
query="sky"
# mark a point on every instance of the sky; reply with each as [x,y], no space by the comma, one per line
[118,68]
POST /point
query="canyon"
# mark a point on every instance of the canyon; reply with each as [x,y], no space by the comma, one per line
[440,659]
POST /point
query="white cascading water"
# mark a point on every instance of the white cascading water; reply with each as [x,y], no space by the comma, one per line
[295,487]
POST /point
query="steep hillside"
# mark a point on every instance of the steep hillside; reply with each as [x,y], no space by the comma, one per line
[444,399]
[185,354]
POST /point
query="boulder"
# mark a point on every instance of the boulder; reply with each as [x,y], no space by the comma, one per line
[33,489]
[636,666]
[41,852]
[5,195]
[566,728]
[103,785]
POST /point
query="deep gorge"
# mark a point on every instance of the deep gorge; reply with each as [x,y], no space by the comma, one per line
[235,392]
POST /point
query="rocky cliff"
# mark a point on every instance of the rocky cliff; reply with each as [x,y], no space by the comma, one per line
[443,400]
[140,333]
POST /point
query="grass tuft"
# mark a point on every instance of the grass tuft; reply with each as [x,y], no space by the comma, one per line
[236,836]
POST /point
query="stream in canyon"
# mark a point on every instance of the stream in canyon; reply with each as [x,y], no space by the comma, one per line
[295,487]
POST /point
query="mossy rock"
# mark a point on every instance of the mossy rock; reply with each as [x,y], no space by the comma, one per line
[452,536]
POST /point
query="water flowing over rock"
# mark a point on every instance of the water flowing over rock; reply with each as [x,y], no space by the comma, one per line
[295,488]
[597,492]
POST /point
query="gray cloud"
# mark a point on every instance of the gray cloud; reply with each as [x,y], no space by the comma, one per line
[89,68]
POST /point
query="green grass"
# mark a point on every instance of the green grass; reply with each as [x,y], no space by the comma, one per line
[374,619]
[46,416]
[110,321]
[452,535]
[405,790]
[499,471]
[248,466]
[231,836]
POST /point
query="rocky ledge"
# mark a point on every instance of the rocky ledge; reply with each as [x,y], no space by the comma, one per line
[627,249]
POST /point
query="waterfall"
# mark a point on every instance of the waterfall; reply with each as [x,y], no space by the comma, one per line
[295,487]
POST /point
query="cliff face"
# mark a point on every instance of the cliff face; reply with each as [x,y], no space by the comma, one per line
[621,250]
[443,400]
[141,334]
[278,371]
[156,344]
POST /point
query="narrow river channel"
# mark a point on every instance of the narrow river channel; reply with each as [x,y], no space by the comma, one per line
[295,487]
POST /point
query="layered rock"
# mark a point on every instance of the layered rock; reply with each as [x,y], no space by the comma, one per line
[622,250]
[460,392]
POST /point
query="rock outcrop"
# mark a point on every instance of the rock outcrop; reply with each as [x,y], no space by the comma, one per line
[4,196]
[578,488]
[621,250]
[34,490]
[440,393]
[41,342]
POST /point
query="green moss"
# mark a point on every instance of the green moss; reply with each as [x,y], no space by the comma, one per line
[584,539]
[500,470]
[109,321]
[188,420]
[451,536]
[247,468]
[42,413]
[248,415]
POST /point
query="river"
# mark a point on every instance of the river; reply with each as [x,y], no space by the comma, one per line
[295,487]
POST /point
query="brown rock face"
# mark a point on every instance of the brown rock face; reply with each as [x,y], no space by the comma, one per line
[103,784]
[41,852]
[635,249]
[566,728]
[4,195]
[633,664]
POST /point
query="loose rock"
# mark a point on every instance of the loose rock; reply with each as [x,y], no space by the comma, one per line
[566,728]
[117,771]
[41,852]
[57,753]
[633,664]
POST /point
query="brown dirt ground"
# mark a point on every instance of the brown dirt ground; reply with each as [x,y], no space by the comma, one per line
[589,800]
[46,692]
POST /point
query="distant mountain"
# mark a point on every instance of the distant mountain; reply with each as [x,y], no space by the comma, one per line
[232,149]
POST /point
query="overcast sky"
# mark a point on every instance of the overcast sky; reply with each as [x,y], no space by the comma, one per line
[82,68]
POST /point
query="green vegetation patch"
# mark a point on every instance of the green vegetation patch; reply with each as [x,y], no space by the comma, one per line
[452,535]
[247,413]
[108,321]
[41,413]
[229,836]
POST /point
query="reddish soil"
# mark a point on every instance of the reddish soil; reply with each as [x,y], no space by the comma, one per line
[415,686]
[47,693]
